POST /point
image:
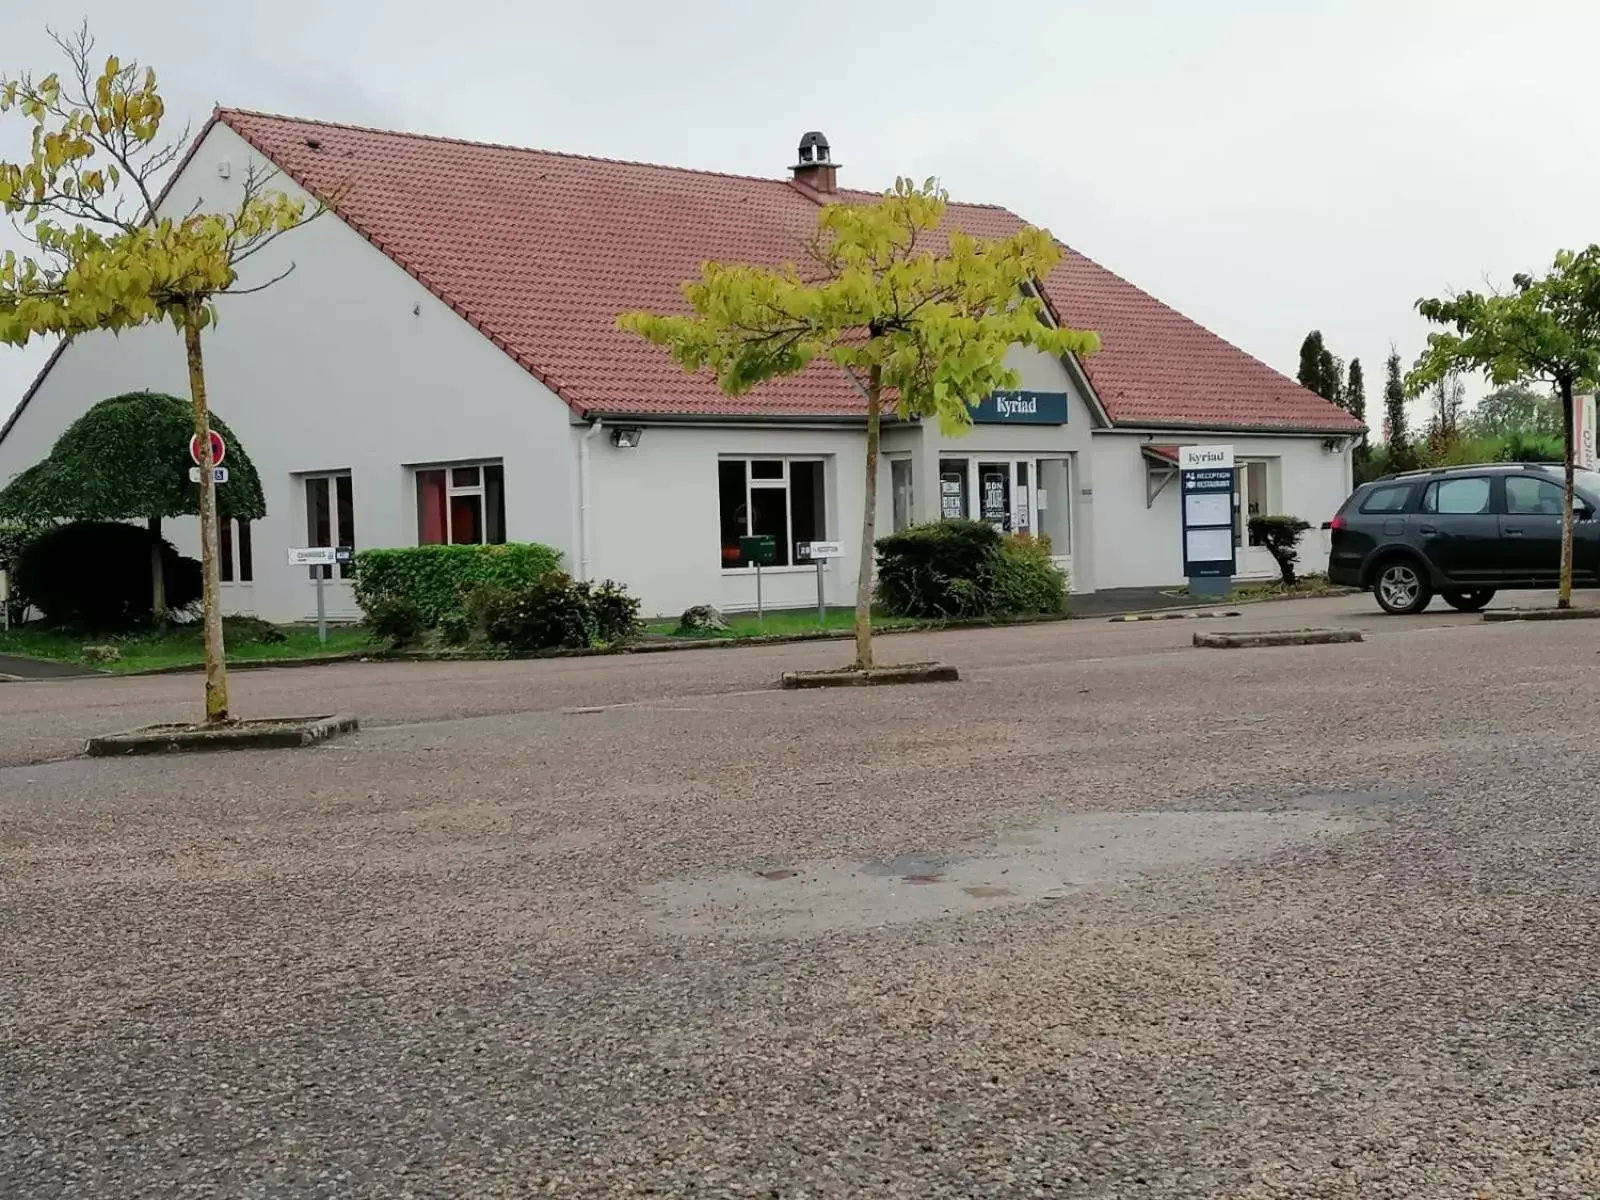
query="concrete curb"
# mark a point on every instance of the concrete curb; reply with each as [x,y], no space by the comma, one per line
[255,664]
[1276,637]
[850,677]
[267,734]
[1542,614]
[1175,616]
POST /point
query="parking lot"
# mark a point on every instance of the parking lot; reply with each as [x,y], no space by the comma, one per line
[1111,917]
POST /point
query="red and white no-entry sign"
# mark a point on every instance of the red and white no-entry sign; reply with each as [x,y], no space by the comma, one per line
[218,449]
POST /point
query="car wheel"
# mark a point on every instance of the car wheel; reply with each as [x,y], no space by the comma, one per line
[1471,600]
[1401,587]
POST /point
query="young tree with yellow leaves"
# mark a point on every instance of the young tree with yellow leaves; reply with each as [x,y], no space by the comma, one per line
[920,317]
[86,196]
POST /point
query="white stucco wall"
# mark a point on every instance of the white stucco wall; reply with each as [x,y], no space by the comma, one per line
[348,364]
[1142,545]
[655,517]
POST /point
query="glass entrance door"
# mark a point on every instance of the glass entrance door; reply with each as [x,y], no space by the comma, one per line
[1053,507]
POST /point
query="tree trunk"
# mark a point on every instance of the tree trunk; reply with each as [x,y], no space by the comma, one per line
[1564,596]
[210,568]
[158,574]
[869,522]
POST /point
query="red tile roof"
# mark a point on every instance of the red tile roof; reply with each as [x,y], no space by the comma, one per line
[541,251]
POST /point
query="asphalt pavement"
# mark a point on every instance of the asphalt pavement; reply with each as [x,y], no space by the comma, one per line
[1111,917]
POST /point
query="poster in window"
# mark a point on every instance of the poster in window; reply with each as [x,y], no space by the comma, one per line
[993,499]
[952,496]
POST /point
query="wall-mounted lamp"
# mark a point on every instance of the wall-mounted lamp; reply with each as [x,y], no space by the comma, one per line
[626,437]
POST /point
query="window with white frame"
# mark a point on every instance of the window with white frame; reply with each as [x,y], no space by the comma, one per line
[236,557]
[780,497]
[461,505]
[330,516]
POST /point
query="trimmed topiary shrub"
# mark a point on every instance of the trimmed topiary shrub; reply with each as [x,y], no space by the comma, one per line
[95,576]
[437,578]
[1028,582]
[946,569]
[1281,536]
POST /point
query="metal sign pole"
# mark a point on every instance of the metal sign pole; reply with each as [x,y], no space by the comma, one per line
[822,603]
[322,612]
[760,612]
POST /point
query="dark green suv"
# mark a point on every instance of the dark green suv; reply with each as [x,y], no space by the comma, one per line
[1463,533]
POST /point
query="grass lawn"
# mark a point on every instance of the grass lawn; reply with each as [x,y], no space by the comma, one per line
[786,622]
[180,646]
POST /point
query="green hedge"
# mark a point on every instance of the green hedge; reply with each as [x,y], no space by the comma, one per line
[436,578]
[1028,582]
[964,569]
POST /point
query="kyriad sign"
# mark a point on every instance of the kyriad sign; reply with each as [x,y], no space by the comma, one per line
[1021,408]
[1205,458]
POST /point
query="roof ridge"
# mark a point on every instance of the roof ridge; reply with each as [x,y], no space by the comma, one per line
[225,111]
[482,145]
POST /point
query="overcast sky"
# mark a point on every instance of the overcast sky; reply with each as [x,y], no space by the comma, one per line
[1266,166]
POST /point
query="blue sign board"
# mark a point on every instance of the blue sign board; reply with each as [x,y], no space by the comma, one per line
[1209,556]
[1021,408]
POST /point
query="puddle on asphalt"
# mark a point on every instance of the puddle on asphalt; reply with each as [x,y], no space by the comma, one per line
[1026,867]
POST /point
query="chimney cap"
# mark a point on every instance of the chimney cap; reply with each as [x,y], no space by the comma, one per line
[814,152]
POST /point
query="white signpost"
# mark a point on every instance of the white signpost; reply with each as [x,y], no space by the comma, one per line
[820,553]
[317,557]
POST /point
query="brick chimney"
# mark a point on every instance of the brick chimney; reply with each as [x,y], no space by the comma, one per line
[816,168]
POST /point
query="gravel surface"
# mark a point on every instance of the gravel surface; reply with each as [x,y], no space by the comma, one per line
[1299,922]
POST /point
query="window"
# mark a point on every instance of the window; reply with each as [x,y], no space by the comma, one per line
[780,497]
[1457,497]
[1526,496]
[235,561]
[952,489]
[461,506]
[330,513]
[1387,499]
[900,487]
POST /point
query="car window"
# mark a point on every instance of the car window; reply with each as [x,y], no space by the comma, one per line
[1526,496]
[1387,499]
[1459,497]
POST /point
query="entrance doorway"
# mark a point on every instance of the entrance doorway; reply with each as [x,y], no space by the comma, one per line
[1052,504]
[1015,495]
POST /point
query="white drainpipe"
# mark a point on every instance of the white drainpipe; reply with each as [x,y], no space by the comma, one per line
[585,534]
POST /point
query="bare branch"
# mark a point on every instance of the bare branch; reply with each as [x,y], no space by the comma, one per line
[260,287]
